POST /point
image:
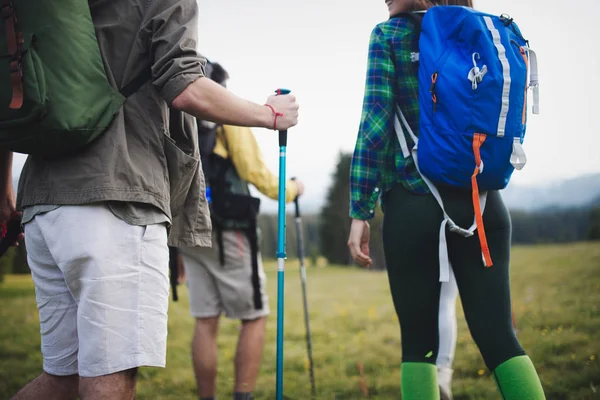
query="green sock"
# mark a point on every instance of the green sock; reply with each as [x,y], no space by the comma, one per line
[517,379]
[419,381]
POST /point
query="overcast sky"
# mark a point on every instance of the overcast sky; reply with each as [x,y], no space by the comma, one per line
[318,49]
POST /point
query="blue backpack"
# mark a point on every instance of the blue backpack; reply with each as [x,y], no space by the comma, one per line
[474,73]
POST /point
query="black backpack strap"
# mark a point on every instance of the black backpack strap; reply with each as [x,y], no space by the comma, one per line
[136,83]
[415,17]
[173,254]
[252,235]
[219,231]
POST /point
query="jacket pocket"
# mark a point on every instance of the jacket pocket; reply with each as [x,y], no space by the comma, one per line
[182,168]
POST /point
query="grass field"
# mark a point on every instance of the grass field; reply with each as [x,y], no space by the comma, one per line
[556,292]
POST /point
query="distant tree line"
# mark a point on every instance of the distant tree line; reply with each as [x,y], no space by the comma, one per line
[546,226]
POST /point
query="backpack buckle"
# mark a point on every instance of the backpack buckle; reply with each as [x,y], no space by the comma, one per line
[506,19]
[452,227]
[16,65]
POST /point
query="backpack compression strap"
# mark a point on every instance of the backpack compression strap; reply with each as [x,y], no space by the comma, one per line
[478,139]
[14,40]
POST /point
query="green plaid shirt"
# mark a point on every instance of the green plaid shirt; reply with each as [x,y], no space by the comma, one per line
[377,163]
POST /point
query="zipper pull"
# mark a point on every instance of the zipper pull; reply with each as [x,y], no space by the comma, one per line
[434,77]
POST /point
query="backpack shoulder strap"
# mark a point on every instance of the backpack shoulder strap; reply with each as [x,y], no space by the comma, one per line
[144,76]
[415,17]
[136,83]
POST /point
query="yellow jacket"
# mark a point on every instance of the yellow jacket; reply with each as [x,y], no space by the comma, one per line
[239,145]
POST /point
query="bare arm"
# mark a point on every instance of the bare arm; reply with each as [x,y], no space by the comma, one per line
[6,161]
[7,194]
[178,73]
[208,100]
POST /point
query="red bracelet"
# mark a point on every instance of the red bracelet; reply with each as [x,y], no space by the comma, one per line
[277,114]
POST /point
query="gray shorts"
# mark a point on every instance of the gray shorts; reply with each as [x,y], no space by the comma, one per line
[102,290]
[215,289]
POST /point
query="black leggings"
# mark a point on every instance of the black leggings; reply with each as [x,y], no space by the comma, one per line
[411,241]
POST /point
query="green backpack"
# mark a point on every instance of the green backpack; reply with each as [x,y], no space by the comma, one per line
[55,97]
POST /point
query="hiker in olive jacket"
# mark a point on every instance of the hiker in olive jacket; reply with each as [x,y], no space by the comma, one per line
[96,222]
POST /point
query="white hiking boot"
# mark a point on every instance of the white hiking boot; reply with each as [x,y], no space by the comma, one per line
[444,375]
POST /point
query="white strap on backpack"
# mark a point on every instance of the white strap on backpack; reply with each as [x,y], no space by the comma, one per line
[534,81]
[518,158]
[444,258]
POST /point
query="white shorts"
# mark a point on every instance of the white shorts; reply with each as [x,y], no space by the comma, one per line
[102,290]
[215,289]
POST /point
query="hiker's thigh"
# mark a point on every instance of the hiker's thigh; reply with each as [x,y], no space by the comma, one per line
[485,292]
[57,308]
[205,299]
[118,275]
[234,279]
[410,236]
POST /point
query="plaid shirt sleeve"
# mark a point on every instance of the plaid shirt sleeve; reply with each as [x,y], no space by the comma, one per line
[376,123]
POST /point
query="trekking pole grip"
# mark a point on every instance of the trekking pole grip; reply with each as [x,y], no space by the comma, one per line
[282,134]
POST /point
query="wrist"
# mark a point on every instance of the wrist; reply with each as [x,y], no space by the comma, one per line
[274,115]
[265,117]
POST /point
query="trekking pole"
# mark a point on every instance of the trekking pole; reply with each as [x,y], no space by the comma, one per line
[281,256]
[304,297]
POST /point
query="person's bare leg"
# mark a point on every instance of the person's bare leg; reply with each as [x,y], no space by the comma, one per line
[50,387]
[204,355]
[249,353]
[117,386]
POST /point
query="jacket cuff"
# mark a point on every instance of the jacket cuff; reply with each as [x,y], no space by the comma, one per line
[361,212]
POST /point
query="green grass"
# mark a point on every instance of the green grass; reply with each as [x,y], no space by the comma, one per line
[556,293]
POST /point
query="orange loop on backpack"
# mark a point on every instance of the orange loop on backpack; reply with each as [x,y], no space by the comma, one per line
[478,139]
